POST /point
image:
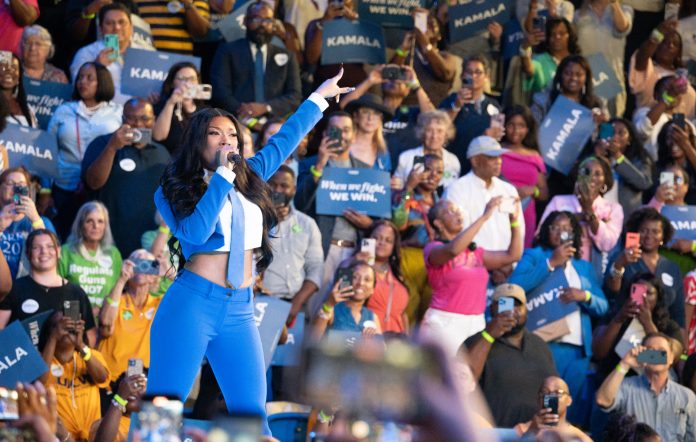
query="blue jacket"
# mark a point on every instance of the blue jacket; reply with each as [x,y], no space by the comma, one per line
[532,271]
[201,231]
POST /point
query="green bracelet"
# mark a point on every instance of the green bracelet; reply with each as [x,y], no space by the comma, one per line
[401,53]
[487,336]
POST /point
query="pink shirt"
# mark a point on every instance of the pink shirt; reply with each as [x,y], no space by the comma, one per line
[523,170]
[610,217]
[690,294]
[459,286]
[10,32]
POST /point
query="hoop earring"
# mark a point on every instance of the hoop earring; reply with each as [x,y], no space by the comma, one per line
[604,189]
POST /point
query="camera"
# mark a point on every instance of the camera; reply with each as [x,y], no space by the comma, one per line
[145,266]
[394,73]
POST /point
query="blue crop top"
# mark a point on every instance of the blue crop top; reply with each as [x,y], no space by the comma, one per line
[201,231]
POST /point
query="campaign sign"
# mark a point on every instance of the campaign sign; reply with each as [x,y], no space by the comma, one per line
[604,80]
[290,352]
[513,36]
[683,219]
[232,26]
[365,190]
[33,325]
[44,97]
[345,41]
[270,315]
[145,71]
[468,17]
[142,34]
[389,13]
[35,149]
[19,360]
[564,132]
[543,305]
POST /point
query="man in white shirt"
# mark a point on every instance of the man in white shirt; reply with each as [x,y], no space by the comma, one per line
[473,191]
[114,18]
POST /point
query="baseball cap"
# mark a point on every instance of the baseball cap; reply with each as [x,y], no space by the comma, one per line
[484,145]
[511,291]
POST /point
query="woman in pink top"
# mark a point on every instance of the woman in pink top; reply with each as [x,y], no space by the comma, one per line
[601,220]
[458,273]
[523,166]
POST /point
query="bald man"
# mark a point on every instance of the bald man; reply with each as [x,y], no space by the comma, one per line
[545,419]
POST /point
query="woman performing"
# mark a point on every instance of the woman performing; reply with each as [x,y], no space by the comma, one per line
[209,193]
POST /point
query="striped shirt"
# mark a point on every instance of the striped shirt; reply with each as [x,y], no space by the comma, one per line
[169,30]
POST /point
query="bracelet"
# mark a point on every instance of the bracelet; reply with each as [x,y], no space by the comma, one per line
[588,296]
[525,52]
[326,308]
[693,246]
[667,98]
[122,408]
[514,224]
[616,273]
[316,173]
[324,418]
[620,159]
[657,36]
[537,192]
[320,26]
[620,368]
[91,16]
[38,224]
[683,357]
[45,191]
[120,400]
[325,316]
[490,339]
[86,354]
[549,266]
[111,302]
[164,229]
[401,53]
[415,85]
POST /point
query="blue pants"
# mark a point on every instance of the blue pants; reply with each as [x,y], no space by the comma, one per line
[198,318]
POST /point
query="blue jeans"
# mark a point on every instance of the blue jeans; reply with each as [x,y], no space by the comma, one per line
[198,318]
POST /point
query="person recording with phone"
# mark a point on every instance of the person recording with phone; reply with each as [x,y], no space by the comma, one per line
[116,420]
[555,398]
[677,145]
[181,95]
[127,313]
[43,289]
[345,309]
[297,270]
[557,246]
[652,397]
[208,310]
[76,371]
[123,169]
[458,272]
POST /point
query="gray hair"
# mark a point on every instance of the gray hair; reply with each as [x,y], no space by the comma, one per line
[76,237]
[440,116]
[42,33]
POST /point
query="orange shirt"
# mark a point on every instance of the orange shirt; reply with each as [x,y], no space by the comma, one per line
[78,397]
[130,337]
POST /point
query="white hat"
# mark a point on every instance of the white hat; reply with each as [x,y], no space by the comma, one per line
[484,145]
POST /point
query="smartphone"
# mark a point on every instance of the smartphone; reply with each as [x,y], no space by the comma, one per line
[135,366]
[420,21]
[71,309]
[551,401]
[679,120]
[111,42]
[632,240]
[671,11]
[667,179]
[279,199]
[467,82]
[9,411]
[652,357]
[199,92]
[419,161]
[539,23]
[345,275]
[506,304]
[6,57]
[369,380]
[369,246]
[606,131]
[638,292]
[237,428]
[145,266]
[507,205]
[19,191]
[336,135]
[159,419]
[393,72]
[141,135]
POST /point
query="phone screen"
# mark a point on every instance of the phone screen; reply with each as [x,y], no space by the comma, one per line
[671,11]
[369,246]
[632,239]
[9,409]
[159,419]
[638,292]
[551,401]
[237,428]
[679,120]
[667,179]
[606,131]
[420,21]
[345,275]
[506,304]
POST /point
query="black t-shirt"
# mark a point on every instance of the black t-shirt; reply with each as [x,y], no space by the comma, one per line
[29,298]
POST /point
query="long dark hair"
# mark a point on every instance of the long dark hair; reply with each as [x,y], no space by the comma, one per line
[647,214]
[183,184]
[664,146]
[587,98]
[552,22]
[634,150]
[531,141]
[168,84]
[395,258]
[543,240]
[21,95]
[105,84]
[660,313]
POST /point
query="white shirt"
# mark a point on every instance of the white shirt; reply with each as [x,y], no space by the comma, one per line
[470,193]
[648,132]
[253,219]
[452,166]
[687,29]
[264,51]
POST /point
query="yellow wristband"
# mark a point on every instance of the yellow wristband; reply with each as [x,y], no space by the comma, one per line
[91,16]
[164,229]
[537,192]
[490,339]
[87,354]
[514,224]
[683,357]
[588,296]
[326,308]
[401,53]
[317,173]
[122,402]
[45,191]
[620,159]
[38,224]
[693,246]
[620,369]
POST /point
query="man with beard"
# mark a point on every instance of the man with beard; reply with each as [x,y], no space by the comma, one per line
[509,362]
[253,78]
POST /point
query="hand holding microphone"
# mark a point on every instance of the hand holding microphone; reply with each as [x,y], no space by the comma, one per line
[224,157]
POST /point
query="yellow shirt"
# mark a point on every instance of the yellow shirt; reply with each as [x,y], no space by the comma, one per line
[123,428]
[131,335]
[78,396]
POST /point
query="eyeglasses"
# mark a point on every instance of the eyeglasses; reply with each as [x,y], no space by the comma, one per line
[30,44]
[559,392]
[261,21]
[189,79]
[559,229]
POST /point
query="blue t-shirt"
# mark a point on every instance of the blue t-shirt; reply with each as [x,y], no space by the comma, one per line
[12,241]
[344,321]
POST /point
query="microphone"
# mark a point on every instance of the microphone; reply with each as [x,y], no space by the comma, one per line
[234,158]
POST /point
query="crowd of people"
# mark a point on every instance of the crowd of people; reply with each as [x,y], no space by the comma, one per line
[562,302]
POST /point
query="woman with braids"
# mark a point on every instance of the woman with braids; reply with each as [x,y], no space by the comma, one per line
[217,204]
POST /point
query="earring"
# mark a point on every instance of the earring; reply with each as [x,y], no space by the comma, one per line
[604,188]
